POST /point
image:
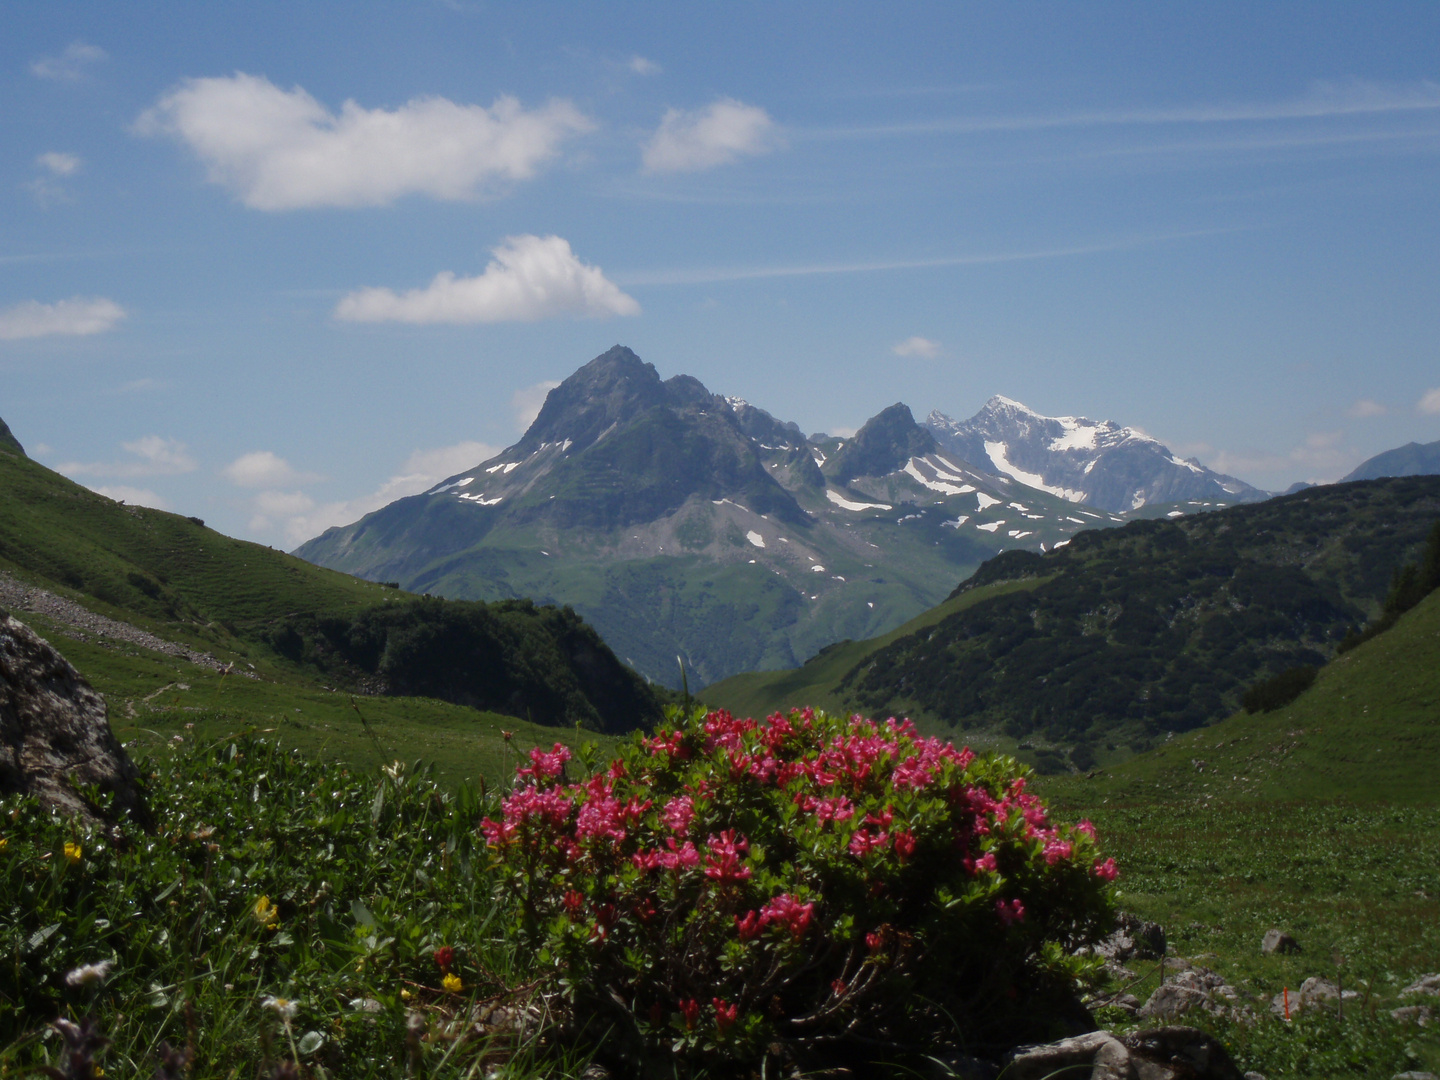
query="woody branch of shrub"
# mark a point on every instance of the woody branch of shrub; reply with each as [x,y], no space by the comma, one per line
[727,887]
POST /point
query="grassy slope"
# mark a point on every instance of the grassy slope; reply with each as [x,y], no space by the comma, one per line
[759,693]
[208,589]
[1319,819]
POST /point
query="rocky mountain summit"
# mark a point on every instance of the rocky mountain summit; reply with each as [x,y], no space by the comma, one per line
[681,521]
[1100,463]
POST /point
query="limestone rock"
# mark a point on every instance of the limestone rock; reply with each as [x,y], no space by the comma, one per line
[1314,993]
[1414,1014]
[1133,939]
[1171,1053]
[1278,941]
[1425,984]
[54,736]
[1196,988]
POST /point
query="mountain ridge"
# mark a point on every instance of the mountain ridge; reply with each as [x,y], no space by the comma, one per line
[1100,463]
[663,513]
[1412,459]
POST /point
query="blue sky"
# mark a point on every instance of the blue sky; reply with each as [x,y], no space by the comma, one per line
[274,264]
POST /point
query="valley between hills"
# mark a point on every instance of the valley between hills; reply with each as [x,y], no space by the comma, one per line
[1110,651]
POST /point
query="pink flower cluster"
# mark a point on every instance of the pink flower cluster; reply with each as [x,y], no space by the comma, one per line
[783,911]
[880,794]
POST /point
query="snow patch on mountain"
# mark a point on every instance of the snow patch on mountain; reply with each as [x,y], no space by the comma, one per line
[846,504]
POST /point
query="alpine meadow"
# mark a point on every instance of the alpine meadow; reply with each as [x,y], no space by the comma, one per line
[693,542]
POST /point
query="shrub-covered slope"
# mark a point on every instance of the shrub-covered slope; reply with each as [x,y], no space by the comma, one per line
[1367,730]
[172,576]
[1159,626]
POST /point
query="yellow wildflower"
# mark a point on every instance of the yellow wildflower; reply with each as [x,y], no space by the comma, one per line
[4,844]
[266,913]
[73,852]
[452,984]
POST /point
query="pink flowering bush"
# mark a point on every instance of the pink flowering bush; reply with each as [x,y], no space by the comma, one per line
[726,888]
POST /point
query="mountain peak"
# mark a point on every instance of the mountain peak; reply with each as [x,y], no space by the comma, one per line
[614,385]
[885,443]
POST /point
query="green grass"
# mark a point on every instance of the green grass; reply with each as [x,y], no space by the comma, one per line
[152,698]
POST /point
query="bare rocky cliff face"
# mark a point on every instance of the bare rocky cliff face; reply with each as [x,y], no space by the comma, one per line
[55,739]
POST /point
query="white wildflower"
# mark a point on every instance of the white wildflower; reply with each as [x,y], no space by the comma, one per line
[283,1007]
[88,974]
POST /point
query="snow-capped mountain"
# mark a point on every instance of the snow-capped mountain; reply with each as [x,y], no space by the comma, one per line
[1099,462]
[674,519]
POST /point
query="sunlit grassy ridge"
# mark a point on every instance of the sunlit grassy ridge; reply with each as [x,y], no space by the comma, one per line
[290,627]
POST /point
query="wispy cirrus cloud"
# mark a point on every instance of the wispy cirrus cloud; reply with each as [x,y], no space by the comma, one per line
[79,315]
[284,150]
[71,65]
[707,275]
[1325,100]
[149,455]
[719,134]
[530,278]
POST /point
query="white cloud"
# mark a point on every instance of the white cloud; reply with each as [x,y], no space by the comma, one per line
[423,469]
[1429,402]
[70,65]
[916,346]
[531,277]
[264,468]
[133,495]
[638,65]
[58,163]
[527,402]
[1364,408]
[718,134]
[283,503]
[77,315]
[151,455]
[283,150]
[1322,457]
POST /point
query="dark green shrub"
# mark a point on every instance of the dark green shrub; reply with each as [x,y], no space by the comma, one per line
[1279,690]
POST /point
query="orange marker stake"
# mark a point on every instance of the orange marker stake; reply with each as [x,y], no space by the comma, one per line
[1287,1003]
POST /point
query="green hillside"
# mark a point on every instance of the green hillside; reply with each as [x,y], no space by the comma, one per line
[1367,731]
[1125,635]
[289,626]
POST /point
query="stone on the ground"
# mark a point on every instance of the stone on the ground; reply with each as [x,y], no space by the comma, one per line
[1415,1076]
[1414,1014]
[1170,1053]
[1425,984]
[1277,941]
[1196,988]
[1133,939]
[54,737]
[1314,993]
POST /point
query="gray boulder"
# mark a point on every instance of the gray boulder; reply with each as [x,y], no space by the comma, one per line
[1277,941]
[1425,984]
[54,737]
[1414,1014]
[1314,993]
[1169,1053]
[1196,988]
